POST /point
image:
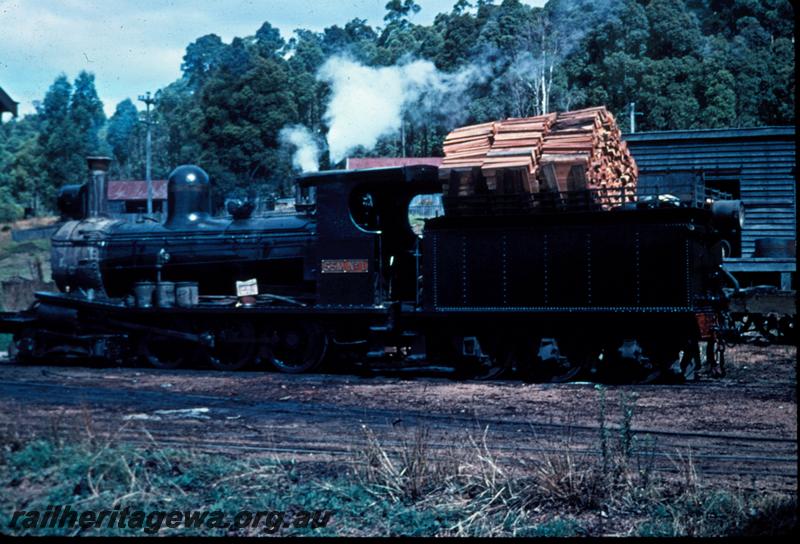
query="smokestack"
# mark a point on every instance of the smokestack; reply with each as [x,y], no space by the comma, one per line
[98,186]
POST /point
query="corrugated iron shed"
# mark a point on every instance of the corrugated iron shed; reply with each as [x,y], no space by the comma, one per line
[383,162]
[757,164]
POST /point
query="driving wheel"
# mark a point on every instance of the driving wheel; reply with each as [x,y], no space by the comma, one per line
[297,348]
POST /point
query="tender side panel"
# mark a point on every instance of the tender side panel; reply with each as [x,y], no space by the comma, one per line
[563,268]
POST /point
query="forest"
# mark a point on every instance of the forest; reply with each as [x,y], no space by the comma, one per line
[257,110]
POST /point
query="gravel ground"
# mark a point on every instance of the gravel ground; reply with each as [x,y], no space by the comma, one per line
[742,428]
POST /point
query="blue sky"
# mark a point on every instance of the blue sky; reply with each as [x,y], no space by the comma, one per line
[135,46]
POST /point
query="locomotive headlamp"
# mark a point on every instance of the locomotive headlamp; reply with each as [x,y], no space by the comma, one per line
[728,214]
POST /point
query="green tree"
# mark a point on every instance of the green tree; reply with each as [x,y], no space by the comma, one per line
[398,11]
[675,31]
[686,64]
[720,99]
[177,121]
[269,40]
[87,115]
[459,33]
[59,141]
[21,166]
[122,128]
[307,57]
[242,115]
[27,181]
[201,57]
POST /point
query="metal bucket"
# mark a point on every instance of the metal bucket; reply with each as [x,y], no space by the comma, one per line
[165,294]
[187,294]
[143,291]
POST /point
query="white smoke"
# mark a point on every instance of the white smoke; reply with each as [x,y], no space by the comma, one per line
[367,103]
[306,155]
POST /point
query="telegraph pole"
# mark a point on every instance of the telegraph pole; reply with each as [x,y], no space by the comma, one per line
[634,113]
[148,151]
[403,136]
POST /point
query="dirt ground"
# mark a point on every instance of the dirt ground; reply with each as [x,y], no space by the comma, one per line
[742,427]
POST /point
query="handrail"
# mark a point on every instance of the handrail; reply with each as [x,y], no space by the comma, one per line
[596,199]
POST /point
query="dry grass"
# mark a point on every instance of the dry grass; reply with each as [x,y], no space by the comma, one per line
[406,477]
[411,487]
[561,484]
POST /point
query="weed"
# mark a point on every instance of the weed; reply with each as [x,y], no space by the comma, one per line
[604,433]
[413,487]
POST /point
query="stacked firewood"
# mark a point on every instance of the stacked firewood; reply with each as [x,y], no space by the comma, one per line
[516,146]
[564,152]
[465,150]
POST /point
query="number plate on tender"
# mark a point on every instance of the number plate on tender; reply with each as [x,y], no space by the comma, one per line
[344,266]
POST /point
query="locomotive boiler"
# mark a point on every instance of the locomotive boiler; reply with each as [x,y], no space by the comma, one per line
[108,256]
[549,286]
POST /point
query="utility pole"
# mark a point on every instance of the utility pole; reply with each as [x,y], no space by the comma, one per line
[146,98]
[403,136]
[634,113]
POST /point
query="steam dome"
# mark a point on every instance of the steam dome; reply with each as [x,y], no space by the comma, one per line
[189,196]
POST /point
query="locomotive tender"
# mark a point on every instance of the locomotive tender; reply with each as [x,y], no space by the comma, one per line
[550,286]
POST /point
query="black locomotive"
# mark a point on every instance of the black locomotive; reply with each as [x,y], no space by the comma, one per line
[550,286]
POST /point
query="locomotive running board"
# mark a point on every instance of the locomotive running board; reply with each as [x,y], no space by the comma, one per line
[12,322]
[203,339]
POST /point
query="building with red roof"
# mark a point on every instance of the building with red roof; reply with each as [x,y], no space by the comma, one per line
[130,196]
[359,163]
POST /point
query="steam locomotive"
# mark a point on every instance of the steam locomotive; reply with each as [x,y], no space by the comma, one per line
[551,287]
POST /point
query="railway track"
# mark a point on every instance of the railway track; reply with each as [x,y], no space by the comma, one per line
[704,383]
[773,466]
[317,410]
[270,427]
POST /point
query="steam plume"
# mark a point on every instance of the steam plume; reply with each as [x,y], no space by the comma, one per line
[370,102]
[306,155]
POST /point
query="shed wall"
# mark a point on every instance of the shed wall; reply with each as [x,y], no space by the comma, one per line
[760,160]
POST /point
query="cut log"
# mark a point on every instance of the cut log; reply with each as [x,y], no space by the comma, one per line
[579,151]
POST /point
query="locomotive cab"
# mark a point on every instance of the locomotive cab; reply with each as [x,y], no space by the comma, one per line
[367,251]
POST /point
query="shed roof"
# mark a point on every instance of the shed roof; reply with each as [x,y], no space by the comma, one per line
[136,189]
[713,134]
[359,163]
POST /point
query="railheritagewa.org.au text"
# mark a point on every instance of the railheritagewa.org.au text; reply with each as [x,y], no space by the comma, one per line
[151,522]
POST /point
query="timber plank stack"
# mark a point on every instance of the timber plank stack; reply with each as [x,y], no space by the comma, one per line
[565,152]
[465,150]
[516,147]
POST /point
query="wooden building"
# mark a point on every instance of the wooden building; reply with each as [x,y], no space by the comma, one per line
[756,165]
[127,199]
[358,163]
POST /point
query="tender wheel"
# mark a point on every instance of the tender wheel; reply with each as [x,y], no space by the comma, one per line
[685,363]
[234,348]
[495,359]
[579,358]
[166,353]
[776,329]
[627,362]
[297,349]
[23,347]
[786,327]
[742,324]
[544,362]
